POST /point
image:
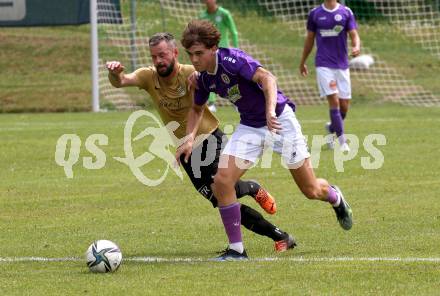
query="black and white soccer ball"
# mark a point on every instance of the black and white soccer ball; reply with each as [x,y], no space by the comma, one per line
[103,256]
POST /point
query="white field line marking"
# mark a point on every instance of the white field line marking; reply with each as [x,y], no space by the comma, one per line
[266,259]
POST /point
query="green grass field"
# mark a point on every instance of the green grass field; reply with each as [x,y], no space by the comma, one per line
[167,233]
[44,214]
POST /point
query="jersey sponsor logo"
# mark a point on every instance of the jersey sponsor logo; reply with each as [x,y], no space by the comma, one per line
[338,28]
[225,78]
[338,17]
[171,104]
[230,59]
[234,94]
[218,19]
[331,32]
[322,18]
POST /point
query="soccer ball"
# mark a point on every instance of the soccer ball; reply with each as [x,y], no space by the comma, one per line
[362,62]
[103,256]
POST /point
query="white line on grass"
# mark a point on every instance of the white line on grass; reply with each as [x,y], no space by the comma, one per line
[266,259]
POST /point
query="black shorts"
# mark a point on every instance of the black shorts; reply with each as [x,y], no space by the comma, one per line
[203,163]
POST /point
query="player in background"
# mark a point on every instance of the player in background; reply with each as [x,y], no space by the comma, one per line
[330,23]
[224,22]
[266,115]
[166,83]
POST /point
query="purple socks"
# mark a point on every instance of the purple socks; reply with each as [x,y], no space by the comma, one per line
[343,115]
[332,197]
[337,124]
[231,217]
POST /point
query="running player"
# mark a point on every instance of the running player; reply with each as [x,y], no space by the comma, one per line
[265,113]
[166,82]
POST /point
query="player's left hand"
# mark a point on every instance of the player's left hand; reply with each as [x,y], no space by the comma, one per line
[272,122]
[355,51]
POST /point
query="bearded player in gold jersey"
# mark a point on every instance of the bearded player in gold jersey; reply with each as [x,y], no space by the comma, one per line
[167,85]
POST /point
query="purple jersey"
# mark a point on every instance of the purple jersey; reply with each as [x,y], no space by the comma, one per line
[233,80]
[331,28]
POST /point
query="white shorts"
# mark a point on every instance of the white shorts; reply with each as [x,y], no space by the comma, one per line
[248,143]
[334,81]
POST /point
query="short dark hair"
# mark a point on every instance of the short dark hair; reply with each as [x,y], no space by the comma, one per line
[200,31]
[162,36]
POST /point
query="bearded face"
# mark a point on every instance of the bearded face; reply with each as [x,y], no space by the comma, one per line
[163,69]
[164,58]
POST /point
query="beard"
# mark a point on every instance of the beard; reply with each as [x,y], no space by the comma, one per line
[167,71]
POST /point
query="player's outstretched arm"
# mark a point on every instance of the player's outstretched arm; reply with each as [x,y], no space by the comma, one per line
[355,42]
[308,46]
[117,77]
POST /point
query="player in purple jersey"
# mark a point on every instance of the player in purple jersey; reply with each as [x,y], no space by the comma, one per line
[330,23]
[267,117]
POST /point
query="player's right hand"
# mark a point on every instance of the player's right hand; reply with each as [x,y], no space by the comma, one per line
[184,149]
[114,67]
[303,70]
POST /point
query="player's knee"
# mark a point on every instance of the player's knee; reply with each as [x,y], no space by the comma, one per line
[223,181]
